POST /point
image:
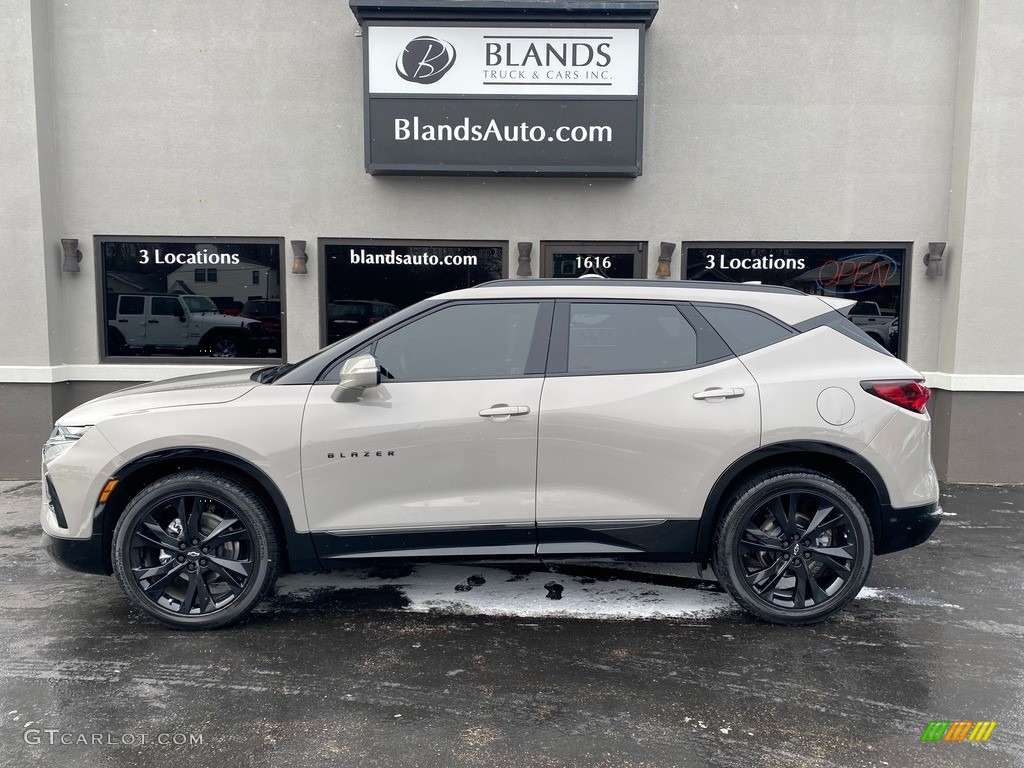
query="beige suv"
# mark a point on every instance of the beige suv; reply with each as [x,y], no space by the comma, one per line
[752,428]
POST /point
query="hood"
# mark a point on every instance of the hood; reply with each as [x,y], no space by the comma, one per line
[197,389]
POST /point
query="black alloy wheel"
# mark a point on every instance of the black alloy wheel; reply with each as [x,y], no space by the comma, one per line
[793,547]
[195,550]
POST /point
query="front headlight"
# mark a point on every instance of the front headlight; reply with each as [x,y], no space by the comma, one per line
[62,438]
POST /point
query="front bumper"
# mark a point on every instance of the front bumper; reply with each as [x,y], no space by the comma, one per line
[83,555]
[905,528]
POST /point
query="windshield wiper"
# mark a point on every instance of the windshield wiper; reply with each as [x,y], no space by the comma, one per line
[272,374]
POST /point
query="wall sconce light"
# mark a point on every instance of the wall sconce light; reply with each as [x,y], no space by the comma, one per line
[665,260]
[299,257]
[524,260]
[72,256]
[933,259]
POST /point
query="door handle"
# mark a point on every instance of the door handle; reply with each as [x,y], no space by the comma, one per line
[718,394]
[152,322]
[502,412]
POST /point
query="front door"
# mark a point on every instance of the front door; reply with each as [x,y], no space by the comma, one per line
[441,457]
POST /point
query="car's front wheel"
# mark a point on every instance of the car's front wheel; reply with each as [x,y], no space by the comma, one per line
[195,550]
[793,546]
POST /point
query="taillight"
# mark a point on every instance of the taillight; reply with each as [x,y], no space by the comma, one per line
[912,395]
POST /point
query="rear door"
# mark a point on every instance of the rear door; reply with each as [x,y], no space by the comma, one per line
[644,407]
[166,322]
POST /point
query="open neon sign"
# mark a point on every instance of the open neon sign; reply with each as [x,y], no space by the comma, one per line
[857,273]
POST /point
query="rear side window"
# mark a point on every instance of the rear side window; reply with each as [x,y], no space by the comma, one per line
[131,305]
[629,338]
[742,329]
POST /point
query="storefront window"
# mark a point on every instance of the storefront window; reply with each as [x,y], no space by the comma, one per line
[366,280]
[617,260]
[191,298]
[870,274]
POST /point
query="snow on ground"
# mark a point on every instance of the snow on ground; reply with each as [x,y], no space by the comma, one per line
[496,591]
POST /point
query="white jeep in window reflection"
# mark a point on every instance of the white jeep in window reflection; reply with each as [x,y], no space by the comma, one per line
[149,323]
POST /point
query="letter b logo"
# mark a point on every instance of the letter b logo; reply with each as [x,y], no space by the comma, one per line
[425,60]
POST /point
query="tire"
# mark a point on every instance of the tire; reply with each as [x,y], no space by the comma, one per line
[196,550]
[223,345]
[787,579]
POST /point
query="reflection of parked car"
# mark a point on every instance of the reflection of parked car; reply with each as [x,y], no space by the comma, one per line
[867,316]
[149,323]
[749,427]
[267,311]
[228,306]
[346,317]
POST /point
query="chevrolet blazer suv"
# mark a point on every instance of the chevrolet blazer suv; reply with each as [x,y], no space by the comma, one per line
[748,427]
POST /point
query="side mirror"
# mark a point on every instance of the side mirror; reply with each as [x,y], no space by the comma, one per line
[357,373]
[179,312]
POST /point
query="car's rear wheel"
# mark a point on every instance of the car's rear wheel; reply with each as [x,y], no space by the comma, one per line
[196,550]
[793,547]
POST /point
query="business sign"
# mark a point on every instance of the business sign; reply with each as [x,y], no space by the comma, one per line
[526,100]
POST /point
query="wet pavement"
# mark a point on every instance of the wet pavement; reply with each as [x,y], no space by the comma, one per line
[466,666]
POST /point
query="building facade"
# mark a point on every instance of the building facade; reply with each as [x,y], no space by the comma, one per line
[189,186]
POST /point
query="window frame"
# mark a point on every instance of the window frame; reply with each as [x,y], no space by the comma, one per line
[322,244]
[908,266]
[548,249]
[183,359]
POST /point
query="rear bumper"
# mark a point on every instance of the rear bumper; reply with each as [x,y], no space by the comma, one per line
[83,555]
[908,527]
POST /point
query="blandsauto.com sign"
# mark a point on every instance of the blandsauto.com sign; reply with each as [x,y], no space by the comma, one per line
[515,100]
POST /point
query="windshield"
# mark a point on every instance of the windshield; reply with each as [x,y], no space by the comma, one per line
[308,370]
[199,304]
[339,311]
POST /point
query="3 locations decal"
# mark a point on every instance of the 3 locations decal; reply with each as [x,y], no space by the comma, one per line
[528,100]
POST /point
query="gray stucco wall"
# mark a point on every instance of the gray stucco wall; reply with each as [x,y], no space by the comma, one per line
[806,121]
[860,121]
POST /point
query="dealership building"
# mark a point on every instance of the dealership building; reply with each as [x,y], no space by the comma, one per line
[189,187]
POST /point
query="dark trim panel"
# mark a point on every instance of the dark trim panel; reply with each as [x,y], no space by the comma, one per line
[905,528]
[338,548]
[82,555]
[669,540]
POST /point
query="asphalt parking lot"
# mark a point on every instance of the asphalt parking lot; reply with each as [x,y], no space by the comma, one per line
[467,666]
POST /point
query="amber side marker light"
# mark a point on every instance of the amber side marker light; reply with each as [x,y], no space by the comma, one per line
[107,490]
[911,394]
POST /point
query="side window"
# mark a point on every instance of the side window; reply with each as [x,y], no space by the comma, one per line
[742,329]
[629,338]
[131,305]
[163,305]
[467,341]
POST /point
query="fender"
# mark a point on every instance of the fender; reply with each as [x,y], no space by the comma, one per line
[298,547]
[806,453]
